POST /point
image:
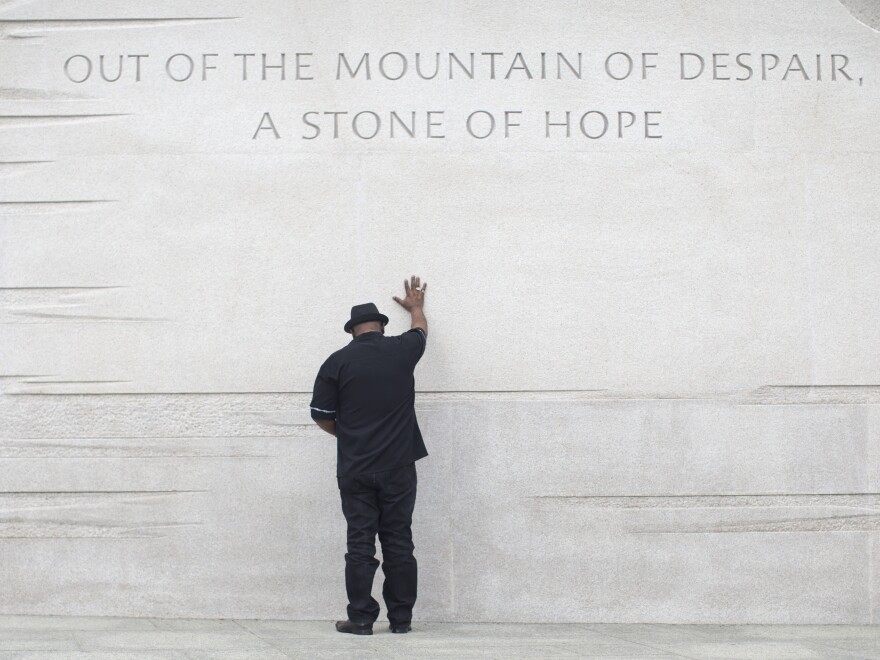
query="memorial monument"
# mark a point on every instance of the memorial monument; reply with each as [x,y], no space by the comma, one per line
[651,232]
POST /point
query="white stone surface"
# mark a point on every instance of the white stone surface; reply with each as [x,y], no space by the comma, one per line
[247,639]
[653,380]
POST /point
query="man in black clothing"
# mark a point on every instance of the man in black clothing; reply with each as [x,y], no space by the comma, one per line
[364,395]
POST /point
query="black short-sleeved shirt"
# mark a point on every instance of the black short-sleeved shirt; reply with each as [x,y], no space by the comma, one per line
[369,389]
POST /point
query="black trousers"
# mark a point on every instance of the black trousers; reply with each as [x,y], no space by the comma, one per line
[382,503]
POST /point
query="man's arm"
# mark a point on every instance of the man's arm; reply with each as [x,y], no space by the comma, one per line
[328,425]
[414,302]
[325,398]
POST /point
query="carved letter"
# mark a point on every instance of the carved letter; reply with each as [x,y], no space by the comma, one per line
[621,125]
[491,124]
[629,68]
[365,61]
[681,68]
[354,124]
[205,65]
[508,123]
[604,124]
[647,65]
[518,67]
[266,124]
[468,72]
[548,124]
[649,123]
[432,124]
[411,129]
[716,65]
[764,67]
[312,124]
[266,66]
[244,57]
[560,58]
[88,68]
[403,65]
[189,64]
[744,65]
[436,67]
[795,65]
[302,65]
[491,63]
[835,68]
[104,73]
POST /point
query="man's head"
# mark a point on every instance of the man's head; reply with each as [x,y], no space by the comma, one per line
[365,318]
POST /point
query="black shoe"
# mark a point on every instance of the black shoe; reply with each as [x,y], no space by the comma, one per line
[354,628]
[400,627]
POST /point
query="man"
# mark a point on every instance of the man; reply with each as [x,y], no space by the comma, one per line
[364,395]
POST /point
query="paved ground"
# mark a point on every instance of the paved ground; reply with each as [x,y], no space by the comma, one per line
[101,638]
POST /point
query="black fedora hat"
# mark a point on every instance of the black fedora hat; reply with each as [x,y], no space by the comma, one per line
[365,312]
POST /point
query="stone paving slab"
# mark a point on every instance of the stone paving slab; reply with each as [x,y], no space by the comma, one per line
[107,655]
[838,642]
[36,640]
[44,623]
[170,639]
[112,638]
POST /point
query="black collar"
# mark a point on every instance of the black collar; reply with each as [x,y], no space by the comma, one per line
[371,333]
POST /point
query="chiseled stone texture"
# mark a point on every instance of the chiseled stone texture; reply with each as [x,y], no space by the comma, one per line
[558,509]
[652,387]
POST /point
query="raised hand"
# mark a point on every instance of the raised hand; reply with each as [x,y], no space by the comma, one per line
[415,294]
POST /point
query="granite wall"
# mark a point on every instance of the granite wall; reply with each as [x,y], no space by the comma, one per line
[652,386]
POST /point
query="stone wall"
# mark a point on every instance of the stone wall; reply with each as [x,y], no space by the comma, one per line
[652,386]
